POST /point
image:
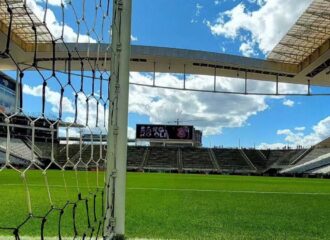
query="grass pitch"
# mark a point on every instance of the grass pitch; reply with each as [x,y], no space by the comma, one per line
[174,206]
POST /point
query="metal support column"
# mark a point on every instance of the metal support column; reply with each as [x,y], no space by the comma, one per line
[118,114]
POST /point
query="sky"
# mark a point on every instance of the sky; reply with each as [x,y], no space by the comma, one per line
[249,28]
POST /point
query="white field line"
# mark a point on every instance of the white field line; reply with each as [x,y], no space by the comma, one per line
[296,180]
[227,191]
[51,185]
[237,179]
[185,190]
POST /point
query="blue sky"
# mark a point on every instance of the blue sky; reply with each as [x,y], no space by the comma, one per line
[184,24]
[249,28]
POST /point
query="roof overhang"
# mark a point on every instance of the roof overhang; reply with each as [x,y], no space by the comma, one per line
[167,60]
[307,44]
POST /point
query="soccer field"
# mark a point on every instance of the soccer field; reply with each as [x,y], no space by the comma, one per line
[174,206]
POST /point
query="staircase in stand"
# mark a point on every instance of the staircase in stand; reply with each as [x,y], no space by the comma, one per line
[179,158]
[36,150]
[145,158]
[214,160]
[304,154]
[247,159]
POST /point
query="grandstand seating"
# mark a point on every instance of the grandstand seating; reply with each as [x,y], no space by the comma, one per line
[180,159]
[196,158]
[282,157]
[256,158]
[315,153]
[274,156]
[162,158]
[87,152]
[18,148]
[313,165]
[135,157]
[320,170]
[230,159]
[14,160]
[289,156]
[46,149]
[61,155]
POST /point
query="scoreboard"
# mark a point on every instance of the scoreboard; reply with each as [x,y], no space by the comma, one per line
[164,132]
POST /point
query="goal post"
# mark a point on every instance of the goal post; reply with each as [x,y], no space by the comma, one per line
[65,111]
[118,118]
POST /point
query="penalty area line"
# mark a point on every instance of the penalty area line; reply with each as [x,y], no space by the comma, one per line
[225,191]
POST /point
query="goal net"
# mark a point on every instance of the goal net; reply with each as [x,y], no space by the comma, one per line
[54,104]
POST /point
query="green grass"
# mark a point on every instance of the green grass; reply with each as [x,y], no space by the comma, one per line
[173,206]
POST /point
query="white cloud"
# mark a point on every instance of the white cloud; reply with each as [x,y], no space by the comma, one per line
[258,2]
[216,2]
[288,103]
[56,3]
[295,137]
[283,132]
[54,26]
[134,39]
[209,112]
[272,146]
[267,25]
[53,98]
[131,133]
[199,8]
[300,128]
[247,49]
[68,107]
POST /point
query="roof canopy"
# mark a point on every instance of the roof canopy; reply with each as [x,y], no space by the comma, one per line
[25,24]
[310,31]
[302,56]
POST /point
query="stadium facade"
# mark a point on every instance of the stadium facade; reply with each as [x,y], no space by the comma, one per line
[8,96]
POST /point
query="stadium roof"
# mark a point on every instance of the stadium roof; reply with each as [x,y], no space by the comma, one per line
[307,35]
[25,24]
[302,56]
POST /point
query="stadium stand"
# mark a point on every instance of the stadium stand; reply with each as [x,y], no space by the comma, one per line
[197,159]
[315,153]
[214,159]
[18,148]
[283,157]
[135,157]
[303,154]
[179,157]
[173,159]
[257,159]
[162,158]
[290,156]
[15,161]
[45,149]
[230,160]
[320,170]
[315,164]
[90,150]
[61,154]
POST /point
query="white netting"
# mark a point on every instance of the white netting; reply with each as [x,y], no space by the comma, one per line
[53,121]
